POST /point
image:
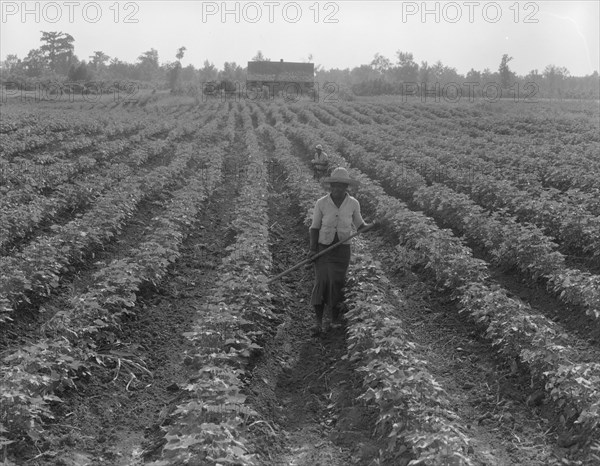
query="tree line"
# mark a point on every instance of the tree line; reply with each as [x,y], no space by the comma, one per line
[383,77]
[55,60]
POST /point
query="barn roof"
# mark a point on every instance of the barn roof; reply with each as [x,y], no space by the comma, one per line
[280,71]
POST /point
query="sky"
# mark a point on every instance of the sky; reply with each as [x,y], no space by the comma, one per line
[337,34]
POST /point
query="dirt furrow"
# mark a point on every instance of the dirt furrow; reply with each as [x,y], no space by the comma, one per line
[301,384]
[117,415]
[114,416]
[29,319]
[504,411]
[584,328]
[79,275]
[505,414]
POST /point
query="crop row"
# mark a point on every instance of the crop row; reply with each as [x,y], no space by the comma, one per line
[560,217]
[34,374]
[515,244]
[348,115]
[46,171]
[332,116]
[210,427]
[514,329]
[451,159]
[19,220]
[518,244]
[428,138]
[553,137]
[72,130]
[32,169]
[413,410]
[77,136]
[19,120]
[541,160]
[473,158]
[22,210]
[36,271]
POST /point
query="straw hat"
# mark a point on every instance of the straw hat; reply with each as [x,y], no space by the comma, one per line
[319,147]
[340,175]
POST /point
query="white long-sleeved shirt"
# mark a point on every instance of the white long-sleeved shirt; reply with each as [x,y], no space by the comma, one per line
[329,219]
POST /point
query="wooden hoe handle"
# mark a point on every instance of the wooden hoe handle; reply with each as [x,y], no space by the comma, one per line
[324,251]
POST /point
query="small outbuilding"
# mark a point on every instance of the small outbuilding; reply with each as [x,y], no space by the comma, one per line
[281,76]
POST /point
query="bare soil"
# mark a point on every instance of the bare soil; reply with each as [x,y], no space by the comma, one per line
[114,417]
[302,386]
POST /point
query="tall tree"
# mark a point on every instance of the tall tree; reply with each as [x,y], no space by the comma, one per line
[148,65]
[58,49]
[506,75]
[487,76]
[35,63]
[120,70]
[99,59]
[424,73]
[180,53]
[189,74]
[174,71]
[208,72]
[437,70]
[407,68]
[555,77]
[79,72]
[474,76]
[232,72]
[12,63]
[381,63]
[362,73]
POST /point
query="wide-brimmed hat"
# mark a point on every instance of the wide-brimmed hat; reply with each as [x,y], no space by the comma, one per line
[340,175]
[319,147]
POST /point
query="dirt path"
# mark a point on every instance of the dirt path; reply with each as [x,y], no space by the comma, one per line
[308,392]
[301,384]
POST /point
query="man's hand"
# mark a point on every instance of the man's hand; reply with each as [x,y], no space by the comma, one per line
[377,224]
[365,227]
[309,254]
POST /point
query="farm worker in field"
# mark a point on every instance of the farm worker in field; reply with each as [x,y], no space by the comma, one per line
[333,217]
[319,162]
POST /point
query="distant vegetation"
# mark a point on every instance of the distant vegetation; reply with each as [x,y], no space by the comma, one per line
[55,61]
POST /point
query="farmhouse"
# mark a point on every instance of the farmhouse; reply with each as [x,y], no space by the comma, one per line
[281,76]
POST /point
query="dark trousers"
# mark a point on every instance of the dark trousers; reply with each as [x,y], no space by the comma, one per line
[330,277]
